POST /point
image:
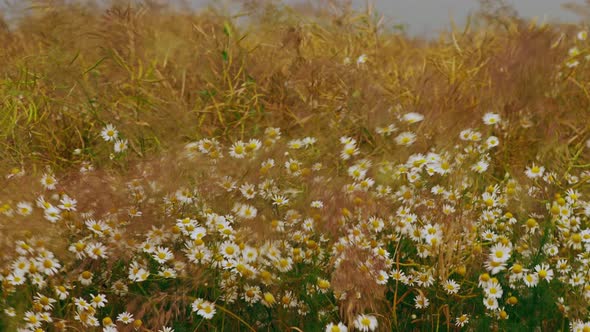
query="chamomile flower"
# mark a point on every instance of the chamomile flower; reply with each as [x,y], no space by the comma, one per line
[85,278]
[480,167]
[253,145]
[52,214]
[120,145]
[544,272]
[21,265]
[421,301]
[295,144]
[48,265]
[207,310]
[406,138]
[268,300]
[228,183]
[96,250]
[248,190]
[491,303]
[246,211]
[531,279]
[166,329]
[461,320]
[491,119]
[500,253]
[534,171]
[386,131]
[293,167]
[162,255]
[382,277]
[336,327]
[137,273]
[44,301]
[32,319]
[252,294]
[48,181]
[493,289]
[356,172]
[361,59]
[61,292]
[492,142]
[349,150]
[451,286]
[412,117]
[572,63]
[317,204]
[120,288]
[229,249]
[24,208]
[109,133]
[279,200]
[238,150]
[365,323]
[574,51]
[10,312]
[98,301]
[273,133]
[67,203]
[125,318]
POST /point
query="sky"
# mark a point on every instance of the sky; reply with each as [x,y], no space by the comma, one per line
[426,17]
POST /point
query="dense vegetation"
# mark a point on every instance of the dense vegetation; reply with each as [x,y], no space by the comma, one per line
[296,169]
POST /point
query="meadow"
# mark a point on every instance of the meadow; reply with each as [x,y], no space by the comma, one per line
[291,169]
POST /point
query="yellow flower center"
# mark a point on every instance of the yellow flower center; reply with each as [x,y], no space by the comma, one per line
[365,321]
[517,268]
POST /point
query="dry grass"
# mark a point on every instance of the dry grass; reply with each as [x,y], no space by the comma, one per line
[165,79]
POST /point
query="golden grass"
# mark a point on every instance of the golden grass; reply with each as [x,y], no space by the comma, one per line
[166,79]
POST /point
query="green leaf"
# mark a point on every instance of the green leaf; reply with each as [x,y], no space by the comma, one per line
[227,29]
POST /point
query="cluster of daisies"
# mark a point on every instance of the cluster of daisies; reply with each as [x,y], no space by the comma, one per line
[274,227]
[577,55]
[578,52]
[110,134]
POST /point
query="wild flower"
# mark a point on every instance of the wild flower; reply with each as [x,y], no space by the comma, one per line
[412,117]
[491,119]
[49,181]
[125,318]
[451,287]
[405,138]
[109,133]
[336,327]
[120,145]
[421,301]
[534,171]
[365,323]
[462,320]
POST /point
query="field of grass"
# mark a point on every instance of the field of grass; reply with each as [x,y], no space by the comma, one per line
[291,169]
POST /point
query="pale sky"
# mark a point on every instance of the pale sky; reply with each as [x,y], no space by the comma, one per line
[425,17]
